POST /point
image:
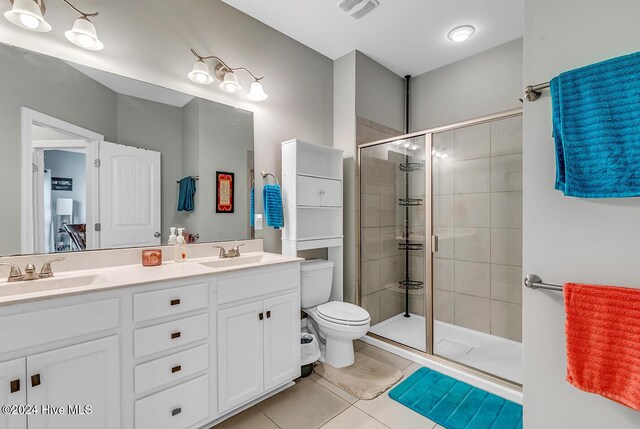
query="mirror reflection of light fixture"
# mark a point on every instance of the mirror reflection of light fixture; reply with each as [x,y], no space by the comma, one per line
[226,75]
[29,14]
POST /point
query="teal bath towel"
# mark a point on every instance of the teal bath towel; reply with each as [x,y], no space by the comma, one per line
[272,200]
[187,194]
[596,128]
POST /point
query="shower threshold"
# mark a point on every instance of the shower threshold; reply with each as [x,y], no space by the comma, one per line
[489,353]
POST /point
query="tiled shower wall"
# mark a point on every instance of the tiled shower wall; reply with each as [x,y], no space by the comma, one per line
[477,215]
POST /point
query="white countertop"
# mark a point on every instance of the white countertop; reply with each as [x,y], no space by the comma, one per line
[97,280]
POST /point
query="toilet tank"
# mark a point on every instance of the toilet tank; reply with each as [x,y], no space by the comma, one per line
[315,282]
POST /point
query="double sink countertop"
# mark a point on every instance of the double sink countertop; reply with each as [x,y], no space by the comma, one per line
[100,279]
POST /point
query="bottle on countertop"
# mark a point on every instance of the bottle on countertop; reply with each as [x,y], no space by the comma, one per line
[172,236]
[180,247]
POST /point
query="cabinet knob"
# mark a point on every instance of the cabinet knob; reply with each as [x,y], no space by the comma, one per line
[35,380]
[261,316]
[269,314]
[176,368]
[175,302]
[15,385]
[176,335]
[176,411]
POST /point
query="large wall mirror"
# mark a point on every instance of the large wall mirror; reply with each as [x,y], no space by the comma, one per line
[92,160]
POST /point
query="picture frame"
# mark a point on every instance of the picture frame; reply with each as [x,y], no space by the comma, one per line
[225,192]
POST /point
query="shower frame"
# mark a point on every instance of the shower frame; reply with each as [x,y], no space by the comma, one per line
[428,260]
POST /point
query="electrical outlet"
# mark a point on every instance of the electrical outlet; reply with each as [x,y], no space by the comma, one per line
[258,222]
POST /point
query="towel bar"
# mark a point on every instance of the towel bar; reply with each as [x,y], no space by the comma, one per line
[533,281]
[533,92]
[266,174]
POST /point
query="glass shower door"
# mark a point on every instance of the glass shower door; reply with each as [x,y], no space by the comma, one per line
[477,219]
[393,226]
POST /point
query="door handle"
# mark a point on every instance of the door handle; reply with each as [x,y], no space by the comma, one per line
[157,235]
[434,243]
[261,316]
[269,314]
[175,302]
[176,411]
[176,368]
[176,335]
[35,380]
[15,386]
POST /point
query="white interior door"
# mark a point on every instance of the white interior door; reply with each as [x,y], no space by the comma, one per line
[130,202]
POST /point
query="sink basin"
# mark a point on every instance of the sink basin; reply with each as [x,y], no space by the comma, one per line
[241,260]
[58,282]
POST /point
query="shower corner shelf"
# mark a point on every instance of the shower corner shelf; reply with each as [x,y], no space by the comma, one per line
[408,167]
[410,246]
[411,284]
[410,202]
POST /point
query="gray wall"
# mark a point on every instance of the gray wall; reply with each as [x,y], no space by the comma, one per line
[61,95]
[379,93]
[569,239]
[486,83]
[155,126]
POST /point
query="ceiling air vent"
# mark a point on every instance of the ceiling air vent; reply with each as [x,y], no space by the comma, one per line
[358,8]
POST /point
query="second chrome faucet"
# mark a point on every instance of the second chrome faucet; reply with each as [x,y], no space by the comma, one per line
[234,252]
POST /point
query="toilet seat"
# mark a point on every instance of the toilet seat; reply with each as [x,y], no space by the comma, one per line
[343,313]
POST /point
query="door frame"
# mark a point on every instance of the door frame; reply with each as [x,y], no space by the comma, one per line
[28,216]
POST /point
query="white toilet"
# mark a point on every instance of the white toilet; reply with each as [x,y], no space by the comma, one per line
[336,324]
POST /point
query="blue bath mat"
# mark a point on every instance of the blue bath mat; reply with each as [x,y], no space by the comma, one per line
[454,404]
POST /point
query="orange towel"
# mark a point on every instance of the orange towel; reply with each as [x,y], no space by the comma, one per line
[603,341]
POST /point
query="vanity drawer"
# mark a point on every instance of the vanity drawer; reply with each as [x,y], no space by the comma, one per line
[166,302]
[257,284]
[175,367]
[179,407]
[24,330]
[165,336]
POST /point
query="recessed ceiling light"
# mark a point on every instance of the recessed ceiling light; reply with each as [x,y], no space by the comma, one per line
[460,34]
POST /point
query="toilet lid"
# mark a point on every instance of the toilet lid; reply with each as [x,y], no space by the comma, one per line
[343,313]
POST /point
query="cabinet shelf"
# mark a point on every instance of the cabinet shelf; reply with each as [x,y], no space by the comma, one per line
[315,176]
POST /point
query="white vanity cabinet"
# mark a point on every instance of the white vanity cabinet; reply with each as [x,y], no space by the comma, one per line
[258,334]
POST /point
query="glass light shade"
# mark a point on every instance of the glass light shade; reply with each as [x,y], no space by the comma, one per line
[230,83]
[200,73]
[27,14]
[84,35]
[460,34]
[256,92]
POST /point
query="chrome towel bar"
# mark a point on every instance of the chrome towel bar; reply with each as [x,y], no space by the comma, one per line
[533,92]
[533,281]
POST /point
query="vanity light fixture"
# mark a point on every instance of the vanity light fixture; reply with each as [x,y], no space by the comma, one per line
[29,14]
[460,34]
[201,73]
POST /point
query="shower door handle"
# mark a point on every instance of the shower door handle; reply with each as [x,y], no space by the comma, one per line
[434,243]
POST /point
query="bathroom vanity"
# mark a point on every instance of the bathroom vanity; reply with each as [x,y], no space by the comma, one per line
[175,346]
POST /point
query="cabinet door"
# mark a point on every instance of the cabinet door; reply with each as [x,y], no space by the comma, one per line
[240,355]
[13,391]
[86,374]
[281,340]
[331,193]
[309,191]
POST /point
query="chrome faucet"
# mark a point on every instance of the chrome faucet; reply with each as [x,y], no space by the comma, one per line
[234,252]
[15,275]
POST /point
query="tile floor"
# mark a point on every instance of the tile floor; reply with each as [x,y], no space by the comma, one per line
[315,403]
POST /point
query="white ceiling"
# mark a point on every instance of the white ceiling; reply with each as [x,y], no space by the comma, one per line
[406,36]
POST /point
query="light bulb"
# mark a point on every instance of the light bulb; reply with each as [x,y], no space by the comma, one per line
[86,41]
[256,92]
[398,142]
[29,21]
[460,34]
[84,34]
[200,73]
[230,83]
[407,144]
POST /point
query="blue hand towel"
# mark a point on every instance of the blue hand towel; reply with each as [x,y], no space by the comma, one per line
[272,200]
[252,210]
[187,194]
[596,128]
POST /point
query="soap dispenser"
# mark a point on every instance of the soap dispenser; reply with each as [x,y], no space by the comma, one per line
[172,236]
[180,247]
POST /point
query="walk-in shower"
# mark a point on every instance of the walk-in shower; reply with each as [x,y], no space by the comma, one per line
[441,242]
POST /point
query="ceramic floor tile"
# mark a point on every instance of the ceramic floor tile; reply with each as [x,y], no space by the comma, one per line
[307,405]
[354,418]
[393,414]
[386,357]
[251,418]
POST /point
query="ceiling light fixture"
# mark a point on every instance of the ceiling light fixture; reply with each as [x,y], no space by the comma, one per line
[226,75]
[460,34]
[29,14]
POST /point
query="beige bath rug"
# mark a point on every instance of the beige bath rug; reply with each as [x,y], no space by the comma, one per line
[367,378]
